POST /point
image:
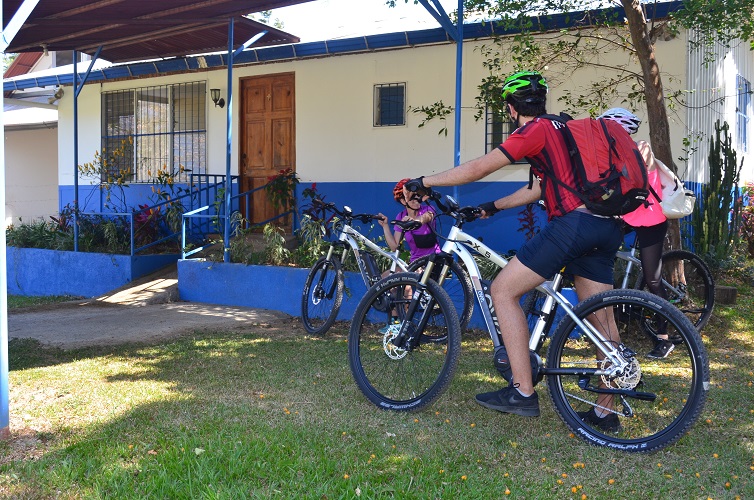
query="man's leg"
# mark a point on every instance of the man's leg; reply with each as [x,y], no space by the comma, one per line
[604,322]
[513,281]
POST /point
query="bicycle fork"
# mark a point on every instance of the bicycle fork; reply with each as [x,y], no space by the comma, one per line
[319,291]
[408,336]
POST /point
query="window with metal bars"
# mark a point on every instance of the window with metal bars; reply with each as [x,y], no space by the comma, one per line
[743,111]
[151,130]
[498,127]
[389,104]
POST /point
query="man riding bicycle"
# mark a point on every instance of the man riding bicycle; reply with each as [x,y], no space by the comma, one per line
[574,238]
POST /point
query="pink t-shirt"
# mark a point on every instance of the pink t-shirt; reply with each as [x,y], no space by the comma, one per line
[651,215]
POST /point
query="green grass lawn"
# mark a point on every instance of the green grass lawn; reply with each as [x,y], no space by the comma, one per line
[271,412]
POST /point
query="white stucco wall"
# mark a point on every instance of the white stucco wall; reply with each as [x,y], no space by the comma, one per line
[335,139]
[31,163]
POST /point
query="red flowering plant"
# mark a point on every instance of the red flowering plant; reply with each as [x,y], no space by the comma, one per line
[147,224]
[746,230]
[281,189]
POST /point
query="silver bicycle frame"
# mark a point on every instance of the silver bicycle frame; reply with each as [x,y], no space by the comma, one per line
[350,236]
[458,243]
[631,260]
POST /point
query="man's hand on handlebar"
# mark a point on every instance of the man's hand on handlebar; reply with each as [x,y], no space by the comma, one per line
[415,189]
[488,209]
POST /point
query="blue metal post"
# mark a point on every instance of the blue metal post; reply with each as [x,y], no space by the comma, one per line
[229,135]
[10,31]
[4,389]
[75,153]
[456,33]
[459,79]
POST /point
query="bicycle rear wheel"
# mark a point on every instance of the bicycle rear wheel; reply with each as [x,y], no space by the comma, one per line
[322,296]
[457,284]
[396,375]
[655,401]
[691,289]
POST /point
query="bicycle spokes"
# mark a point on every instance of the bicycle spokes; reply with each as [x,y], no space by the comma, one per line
[649,402]
[406,365]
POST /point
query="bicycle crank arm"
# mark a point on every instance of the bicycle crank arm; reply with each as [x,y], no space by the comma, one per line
[644,396]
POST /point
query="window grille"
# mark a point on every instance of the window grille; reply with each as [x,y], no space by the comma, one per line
[389,104]
[154,130]
[743,111]
[498,127]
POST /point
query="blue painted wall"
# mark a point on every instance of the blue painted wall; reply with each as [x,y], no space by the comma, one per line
[500,232]
[276,288]
[33,271]
[262,287]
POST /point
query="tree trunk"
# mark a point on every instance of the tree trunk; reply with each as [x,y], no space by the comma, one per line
[657,116]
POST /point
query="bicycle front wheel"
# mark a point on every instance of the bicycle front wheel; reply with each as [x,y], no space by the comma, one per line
[456,283]
[654,402]
[322,296]
[404,372]
[688,284]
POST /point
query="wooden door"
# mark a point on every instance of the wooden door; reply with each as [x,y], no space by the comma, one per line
[267,138]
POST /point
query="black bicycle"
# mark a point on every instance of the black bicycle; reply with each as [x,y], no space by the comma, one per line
[596,352]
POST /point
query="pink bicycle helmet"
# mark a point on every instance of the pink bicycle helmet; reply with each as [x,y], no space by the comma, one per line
[627,119]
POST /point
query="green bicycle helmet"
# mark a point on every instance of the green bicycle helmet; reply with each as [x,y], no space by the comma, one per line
[528,86]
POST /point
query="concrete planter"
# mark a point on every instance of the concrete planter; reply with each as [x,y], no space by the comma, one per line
[34,271]
[263,287]
[270,287]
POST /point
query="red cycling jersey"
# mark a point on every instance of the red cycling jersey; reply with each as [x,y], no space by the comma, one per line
[541,144]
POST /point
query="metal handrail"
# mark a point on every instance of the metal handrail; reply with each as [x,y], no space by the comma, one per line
[221,217]
[194,193]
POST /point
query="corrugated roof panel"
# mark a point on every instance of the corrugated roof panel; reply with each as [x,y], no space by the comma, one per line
[346,45]
[131,30]
[275,53]
[386,40]
[428,36]
[310,49]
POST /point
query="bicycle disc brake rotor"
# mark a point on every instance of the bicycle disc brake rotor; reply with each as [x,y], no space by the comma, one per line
[391,350]
[627,380]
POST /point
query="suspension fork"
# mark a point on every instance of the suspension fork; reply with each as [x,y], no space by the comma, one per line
[328,259]
[406,339]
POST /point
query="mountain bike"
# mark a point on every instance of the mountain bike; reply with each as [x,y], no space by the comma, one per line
[323,291]
[686,277]
[412,364]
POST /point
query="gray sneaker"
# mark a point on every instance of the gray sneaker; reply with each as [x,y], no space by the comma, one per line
[509,400]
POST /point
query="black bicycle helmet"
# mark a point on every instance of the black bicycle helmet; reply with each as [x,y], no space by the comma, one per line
[527,86]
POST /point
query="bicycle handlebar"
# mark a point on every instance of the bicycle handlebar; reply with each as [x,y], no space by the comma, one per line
[346,212]
[449,206]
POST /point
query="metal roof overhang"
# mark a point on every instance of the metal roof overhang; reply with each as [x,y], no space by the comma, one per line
[131,30]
